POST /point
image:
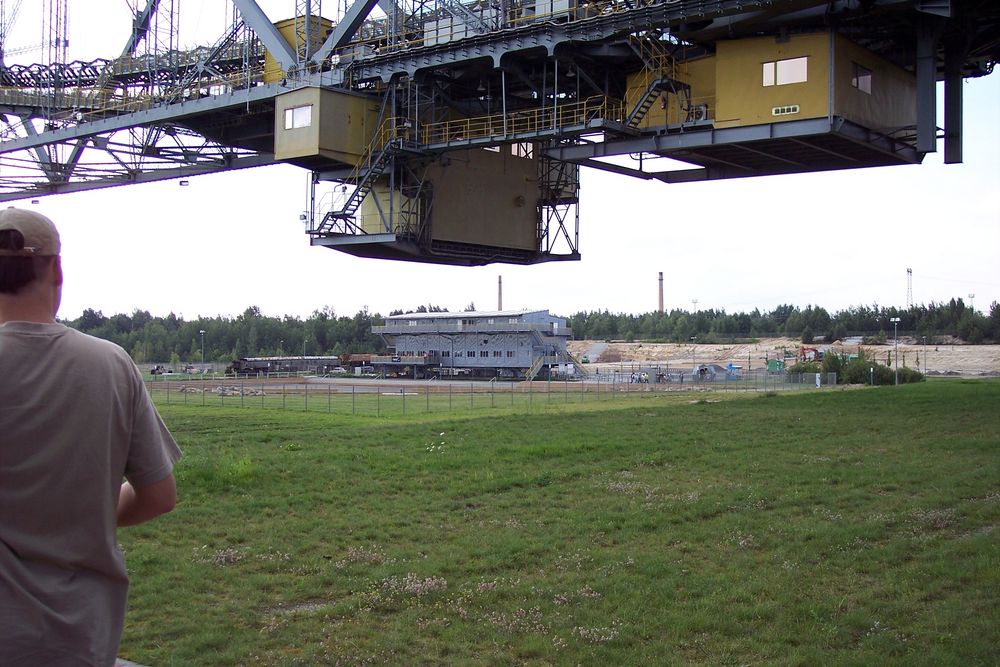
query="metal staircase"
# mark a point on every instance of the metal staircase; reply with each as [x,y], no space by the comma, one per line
[580,368]
[659,75]
[536,366]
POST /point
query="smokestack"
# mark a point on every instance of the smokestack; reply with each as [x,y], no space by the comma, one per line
[499,292]
[661,291]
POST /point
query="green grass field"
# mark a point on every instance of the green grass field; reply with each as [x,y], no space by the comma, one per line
[835,527]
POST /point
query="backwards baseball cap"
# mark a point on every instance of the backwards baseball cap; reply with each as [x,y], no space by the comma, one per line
[36,236]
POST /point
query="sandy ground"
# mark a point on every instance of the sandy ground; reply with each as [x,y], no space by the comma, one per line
[952,359]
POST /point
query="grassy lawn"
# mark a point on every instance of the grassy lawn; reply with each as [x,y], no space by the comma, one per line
[837,527]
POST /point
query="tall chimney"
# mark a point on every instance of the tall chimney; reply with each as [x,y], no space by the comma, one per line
[661,291]
[499,292]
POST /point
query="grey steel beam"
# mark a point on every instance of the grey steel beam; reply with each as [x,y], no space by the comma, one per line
[161,114]
[347,239]
[952,103]
[43,190]
[323,52]
[695,139]
[140,26]
[664,143]
[616,169]
[346,29]
[276,45]
[548,35]
[928,30]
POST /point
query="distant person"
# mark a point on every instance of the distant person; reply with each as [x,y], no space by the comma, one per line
[75,421]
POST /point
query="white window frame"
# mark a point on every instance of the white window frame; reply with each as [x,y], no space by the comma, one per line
[298,117]
[785,72]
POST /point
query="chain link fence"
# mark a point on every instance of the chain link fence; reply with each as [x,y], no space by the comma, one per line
[383,398]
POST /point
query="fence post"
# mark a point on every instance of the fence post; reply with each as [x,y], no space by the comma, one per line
[402,391]
[284,402]
[243,392]
[449,397]
[262,395]
[328,389]
[353,404]
[307,396]
[168,393]
[378,402]
[472,395]
[427,389]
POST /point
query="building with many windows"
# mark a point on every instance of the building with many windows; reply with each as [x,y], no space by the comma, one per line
[521,344]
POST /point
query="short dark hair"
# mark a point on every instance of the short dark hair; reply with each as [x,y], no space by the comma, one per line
[16,271]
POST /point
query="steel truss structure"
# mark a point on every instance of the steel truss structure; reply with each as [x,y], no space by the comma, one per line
[451,75]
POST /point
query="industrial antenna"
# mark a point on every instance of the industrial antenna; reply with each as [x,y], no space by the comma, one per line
[694,302]
[972,303]
[909,288]
[499,293]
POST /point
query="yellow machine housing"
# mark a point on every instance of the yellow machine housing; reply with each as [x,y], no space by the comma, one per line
[501,214]
[728,88]
[340,126]
[320,28]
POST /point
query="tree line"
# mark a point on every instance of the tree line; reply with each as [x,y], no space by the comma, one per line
[151,338]
[813,323]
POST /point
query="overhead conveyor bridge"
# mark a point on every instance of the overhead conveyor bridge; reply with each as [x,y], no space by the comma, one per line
[410,115]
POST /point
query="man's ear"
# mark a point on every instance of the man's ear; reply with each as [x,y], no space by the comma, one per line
[57,274]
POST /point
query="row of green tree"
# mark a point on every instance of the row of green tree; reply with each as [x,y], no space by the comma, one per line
[813,323]
[222,339]
[151,338]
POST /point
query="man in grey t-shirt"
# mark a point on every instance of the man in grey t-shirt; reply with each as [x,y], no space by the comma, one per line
[75,420]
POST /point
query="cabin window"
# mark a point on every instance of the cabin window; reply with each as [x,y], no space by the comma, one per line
[297,117]
[470,353]
[783,72]
[510,353]
[861,78]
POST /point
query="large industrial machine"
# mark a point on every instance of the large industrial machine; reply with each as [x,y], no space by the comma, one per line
[453,131]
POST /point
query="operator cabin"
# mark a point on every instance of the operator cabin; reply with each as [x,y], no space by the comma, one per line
[523,344]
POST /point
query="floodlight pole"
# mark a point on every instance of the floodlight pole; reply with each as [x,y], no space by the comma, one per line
[694,353]
[924,339]
[895,335]
[202,332]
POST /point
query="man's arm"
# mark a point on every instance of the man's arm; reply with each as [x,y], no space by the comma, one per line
[138,505]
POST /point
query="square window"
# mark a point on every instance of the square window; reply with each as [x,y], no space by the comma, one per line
[297,117]
[793,70]
[783,72]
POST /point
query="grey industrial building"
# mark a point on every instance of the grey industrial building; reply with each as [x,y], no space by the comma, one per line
[518,344]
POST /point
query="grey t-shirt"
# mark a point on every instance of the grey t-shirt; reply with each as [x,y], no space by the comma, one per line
[75,419]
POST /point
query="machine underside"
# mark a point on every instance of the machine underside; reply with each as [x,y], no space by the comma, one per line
[453,132]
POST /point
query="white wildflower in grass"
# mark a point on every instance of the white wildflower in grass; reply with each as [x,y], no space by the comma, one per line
[220,557]
[743,540]
[599,635]
[520,621]
[368,555]
[411,584]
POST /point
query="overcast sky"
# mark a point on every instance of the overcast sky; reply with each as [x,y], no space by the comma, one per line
[836,239]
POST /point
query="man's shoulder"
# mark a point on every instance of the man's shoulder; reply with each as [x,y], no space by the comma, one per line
[97,347]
